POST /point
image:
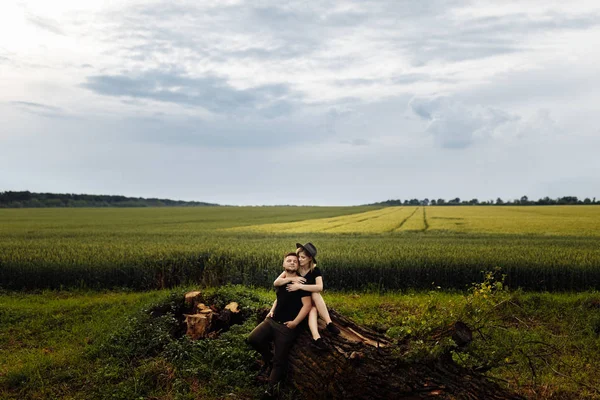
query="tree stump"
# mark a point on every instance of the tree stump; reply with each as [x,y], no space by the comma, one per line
[363,364]
[204,321]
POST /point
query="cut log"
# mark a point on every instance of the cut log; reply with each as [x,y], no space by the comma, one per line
[208,321]
[363,364]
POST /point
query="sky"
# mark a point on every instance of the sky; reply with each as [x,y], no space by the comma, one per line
[307,103]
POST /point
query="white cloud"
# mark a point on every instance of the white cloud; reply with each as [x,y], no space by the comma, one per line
[456,125]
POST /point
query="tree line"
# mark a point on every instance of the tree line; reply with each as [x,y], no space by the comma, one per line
[523,201]
[28,199]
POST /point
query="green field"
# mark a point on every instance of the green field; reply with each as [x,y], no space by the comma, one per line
[92,337]
[538,247]
[103,345]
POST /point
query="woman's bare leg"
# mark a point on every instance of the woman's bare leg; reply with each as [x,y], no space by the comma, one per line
[321,307]
[313,324]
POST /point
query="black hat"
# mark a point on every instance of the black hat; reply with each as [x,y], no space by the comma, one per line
[310,249]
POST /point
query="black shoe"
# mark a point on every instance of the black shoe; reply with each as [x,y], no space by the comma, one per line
[333,329]
[319,344]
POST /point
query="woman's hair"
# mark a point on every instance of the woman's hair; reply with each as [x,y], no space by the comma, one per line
[312,264]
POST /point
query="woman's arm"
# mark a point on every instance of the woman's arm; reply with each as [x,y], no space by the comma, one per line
[317,287]
[283,280]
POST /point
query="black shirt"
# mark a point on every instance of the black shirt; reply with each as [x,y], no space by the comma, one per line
[311,276]
[289,304]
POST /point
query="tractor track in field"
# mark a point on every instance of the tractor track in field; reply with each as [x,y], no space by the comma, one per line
[404,221]
[357,221]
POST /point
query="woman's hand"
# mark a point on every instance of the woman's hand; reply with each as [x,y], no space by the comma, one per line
[293,287]
[270,314]
[298,279]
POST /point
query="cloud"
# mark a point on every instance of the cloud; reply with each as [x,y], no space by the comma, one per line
[356,142]
[43,110]
[251,132]
[456,125]
[46,24]
[211,93]
[454,39]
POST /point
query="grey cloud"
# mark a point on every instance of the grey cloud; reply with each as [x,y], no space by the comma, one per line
[452,40]
[43,110]
[251,132]
[356,142]
[456,125]
[400,79]
[211,93]
[274,31]
[45,23]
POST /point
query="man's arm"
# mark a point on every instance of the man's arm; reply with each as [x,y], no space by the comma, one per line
[272,312]
[306,306]
[317,287]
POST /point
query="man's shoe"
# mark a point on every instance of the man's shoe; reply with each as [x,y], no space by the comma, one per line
[333,329]
[319,344]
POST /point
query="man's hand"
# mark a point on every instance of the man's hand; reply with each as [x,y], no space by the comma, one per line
[293,287]
[290,324]
[298,279]
[270,314]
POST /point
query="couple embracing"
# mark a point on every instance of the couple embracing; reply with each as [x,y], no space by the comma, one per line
[298,295]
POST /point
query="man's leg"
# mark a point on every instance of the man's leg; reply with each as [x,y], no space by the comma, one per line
[284,339]
[260,338]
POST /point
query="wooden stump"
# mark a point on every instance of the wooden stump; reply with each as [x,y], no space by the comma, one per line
[204,321]
[363,364]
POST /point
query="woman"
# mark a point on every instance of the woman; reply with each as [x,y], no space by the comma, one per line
[310,280]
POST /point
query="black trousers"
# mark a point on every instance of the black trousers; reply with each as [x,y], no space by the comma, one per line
[283,337]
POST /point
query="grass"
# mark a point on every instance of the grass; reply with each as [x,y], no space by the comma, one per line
[90,345]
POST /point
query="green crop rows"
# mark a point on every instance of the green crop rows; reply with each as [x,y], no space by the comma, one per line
[540,248]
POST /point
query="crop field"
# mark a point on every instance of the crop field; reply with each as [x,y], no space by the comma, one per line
[529,220]
[537,247]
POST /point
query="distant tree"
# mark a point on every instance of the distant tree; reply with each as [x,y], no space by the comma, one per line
[433,202]
[587,201]
[441,202]
[524,200]
[568,200]
[455,201]
[473,201]
[54,203]
[425,202]
[499,201]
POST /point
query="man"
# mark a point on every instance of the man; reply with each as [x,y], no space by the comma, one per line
[280,326]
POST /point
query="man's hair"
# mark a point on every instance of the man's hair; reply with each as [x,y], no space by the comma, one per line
[291,253]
